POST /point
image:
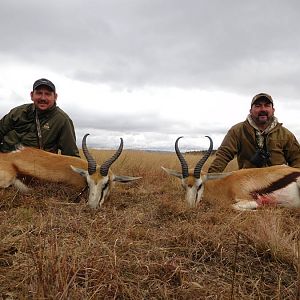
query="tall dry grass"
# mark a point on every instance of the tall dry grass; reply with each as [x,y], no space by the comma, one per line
[144,243]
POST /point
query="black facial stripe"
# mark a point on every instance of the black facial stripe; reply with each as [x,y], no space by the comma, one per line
[277,185]
[104,188]
[199,187]
[106,185]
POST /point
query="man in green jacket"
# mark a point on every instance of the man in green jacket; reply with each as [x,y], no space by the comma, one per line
[41,124]
[259,141]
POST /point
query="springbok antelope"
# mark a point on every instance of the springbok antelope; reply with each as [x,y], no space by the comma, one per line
[71,170]
[245,189]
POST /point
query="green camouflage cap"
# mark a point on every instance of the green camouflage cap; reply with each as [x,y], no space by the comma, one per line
[262,96]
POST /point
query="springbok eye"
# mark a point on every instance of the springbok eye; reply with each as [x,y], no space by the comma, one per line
[199,187]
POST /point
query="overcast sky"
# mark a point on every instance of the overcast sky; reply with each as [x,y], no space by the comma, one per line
[152,70]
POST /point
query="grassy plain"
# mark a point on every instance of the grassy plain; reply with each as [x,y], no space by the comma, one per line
[144,243]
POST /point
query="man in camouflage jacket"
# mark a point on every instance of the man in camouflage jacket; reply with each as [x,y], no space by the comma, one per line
[259,141]
[41,124]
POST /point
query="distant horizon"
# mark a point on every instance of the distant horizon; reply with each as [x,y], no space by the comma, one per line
[148,149]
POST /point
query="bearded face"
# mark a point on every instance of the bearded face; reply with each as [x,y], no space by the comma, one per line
[262,112]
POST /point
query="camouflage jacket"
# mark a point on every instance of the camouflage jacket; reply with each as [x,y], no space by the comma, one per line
[57,130]
[241,141]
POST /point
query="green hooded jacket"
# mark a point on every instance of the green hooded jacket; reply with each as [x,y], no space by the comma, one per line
[57,130]
[240,141]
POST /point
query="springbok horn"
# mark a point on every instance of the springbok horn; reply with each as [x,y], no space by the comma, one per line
[106,165]
[184,166]
[91,161]
[201,162]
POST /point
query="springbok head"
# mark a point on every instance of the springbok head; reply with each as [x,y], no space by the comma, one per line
[191,181]
[100,179]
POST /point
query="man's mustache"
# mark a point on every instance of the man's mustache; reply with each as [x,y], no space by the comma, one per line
[263,113]
[43,101]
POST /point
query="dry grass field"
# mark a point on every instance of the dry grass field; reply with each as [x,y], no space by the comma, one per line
[144,243]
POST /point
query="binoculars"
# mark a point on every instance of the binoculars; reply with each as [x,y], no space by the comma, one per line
[260,158]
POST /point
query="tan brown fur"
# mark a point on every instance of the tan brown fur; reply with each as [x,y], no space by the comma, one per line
[57,168]
[190,180]
[242,183]
[244,189]
[41,165]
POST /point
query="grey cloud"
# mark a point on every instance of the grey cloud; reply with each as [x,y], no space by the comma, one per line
[142,123]
[232,45]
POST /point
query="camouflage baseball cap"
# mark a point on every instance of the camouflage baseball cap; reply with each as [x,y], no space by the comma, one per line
[262,96]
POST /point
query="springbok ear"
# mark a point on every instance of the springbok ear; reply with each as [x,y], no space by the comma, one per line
[124,179]
[80,171]
[173,172]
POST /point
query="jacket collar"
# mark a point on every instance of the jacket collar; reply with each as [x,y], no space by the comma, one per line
[271,126]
